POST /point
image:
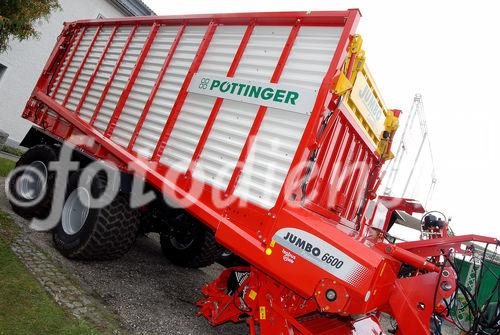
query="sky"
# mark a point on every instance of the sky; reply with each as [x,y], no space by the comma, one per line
[446,50]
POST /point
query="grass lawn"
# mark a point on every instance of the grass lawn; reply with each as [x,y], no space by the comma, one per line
[25,308]
[5,166]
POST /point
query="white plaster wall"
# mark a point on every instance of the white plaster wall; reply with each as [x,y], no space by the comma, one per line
[25,60]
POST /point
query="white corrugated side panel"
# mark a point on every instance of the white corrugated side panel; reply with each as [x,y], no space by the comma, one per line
[104,72]
[144,84]
[280,132]
[169,88]
[121,78]
[230,130]
[88,68]
[196,109]
[75,64]
[66,59]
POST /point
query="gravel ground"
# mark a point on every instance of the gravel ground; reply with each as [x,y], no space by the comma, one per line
[147,293]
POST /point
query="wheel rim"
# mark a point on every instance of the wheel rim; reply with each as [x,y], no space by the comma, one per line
[182,234]
[33,181]
[181,244]
[75,211]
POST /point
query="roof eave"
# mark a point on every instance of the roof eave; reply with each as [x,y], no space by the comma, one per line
[133,7]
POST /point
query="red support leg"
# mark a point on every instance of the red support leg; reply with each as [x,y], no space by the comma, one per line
[261,112]
[218,101]
[131,81]
[156,86]
[169,125]
[113,74]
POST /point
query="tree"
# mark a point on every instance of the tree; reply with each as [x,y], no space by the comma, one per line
[17,18]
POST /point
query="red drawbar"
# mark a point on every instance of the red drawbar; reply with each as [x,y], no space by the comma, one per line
[218,101]
[262,111]
[131,80]
[156,86]
[176,109]
[113,74]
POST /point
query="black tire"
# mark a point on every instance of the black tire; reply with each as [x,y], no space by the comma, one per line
[39,154]
[106,233]
[200,248]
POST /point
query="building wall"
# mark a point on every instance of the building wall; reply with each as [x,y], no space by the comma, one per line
[25,60]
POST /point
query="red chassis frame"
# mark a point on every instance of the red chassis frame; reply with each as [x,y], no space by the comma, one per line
[280,297]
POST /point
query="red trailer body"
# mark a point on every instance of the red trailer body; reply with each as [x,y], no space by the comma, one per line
[315,259]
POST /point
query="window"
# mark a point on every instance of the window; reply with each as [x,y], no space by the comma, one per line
[3,68]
